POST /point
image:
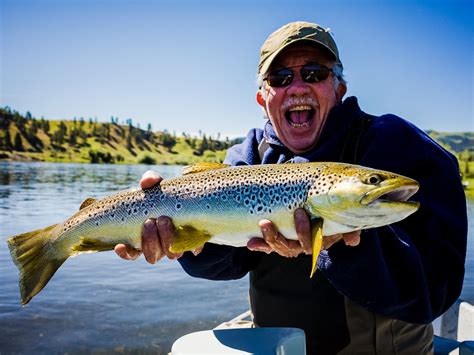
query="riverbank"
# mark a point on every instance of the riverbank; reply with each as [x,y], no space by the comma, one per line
[180,154]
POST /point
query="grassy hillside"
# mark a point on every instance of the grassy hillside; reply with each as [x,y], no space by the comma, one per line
[24,138]
[458,142]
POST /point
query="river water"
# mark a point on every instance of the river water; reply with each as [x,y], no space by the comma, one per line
[98,302]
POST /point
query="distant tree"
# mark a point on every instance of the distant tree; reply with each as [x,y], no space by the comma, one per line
[81,122]
[60,134]
[107,158]
[32,130]
[7,140]
[28,115]
[18,144]
[46,127]
[73,137]
[94,159]
[168,140]
[100,157]
[129,141]
[107,131]
[147,160]
[83,135]
[204,145]
[63,128]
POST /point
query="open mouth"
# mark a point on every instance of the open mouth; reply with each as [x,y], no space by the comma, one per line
[300,116]
[391,194]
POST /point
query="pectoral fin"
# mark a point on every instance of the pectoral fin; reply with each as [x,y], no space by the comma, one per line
[187,237]
[317,242]
[92,245]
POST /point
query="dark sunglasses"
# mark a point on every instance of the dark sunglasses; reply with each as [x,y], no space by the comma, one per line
[310,73]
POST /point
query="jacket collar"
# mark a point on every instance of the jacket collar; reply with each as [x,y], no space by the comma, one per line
[336,126]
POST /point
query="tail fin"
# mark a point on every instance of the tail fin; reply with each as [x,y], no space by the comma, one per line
[36,260]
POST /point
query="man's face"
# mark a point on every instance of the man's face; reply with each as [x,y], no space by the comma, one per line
[298,111]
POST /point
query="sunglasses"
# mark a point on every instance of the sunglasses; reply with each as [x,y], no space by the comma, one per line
[310,73]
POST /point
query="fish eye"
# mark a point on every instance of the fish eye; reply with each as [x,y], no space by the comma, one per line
[374,179]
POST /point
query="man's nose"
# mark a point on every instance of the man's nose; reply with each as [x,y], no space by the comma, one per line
[298,87]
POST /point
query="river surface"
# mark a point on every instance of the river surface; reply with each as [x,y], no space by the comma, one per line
[99,303]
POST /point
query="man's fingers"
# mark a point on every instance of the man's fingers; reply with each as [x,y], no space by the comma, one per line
[259,244]
[330,240]
[352,239]
[166,230]
[303,230]
[149,179]
[151,245]
[126,252]
[277,242]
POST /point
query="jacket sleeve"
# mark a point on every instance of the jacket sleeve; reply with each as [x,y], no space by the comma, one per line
[220,262]
[412,270]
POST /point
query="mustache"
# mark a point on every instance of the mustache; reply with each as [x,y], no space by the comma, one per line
[299,101]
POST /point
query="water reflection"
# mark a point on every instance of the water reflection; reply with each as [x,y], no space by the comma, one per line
[97,302]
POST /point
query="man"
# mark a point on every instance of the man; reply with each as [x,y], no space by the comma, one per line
[378,291]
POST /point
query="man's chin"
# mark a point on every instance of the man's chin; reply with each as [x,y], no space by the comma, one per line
[299,144]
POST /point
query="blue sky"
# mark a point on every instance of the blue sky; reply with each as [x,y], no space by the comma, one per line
[191,65]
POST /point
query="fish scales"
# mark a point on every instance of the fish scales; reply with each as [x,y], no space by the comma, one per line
[223,205]
[201,200]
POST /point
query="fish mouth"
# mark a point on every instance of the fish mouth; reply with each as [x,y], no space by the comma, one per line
[394,193]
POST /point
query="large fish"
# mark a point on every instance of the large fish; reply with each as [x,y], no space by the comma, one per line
[220,204]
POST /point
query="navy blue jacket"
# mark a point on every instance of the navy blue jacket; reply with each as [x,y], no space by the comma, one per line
[412,270]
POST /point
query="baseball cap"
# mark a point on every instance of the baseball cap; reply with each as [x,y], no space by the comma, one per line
[291,33]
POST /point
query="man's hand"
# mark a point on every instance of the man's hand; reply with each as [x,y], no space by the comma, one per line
[157,233]
[273,241]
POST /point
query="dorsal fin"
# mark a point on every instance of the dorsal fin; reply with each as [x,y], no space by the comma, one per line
[201,167]
[87,202]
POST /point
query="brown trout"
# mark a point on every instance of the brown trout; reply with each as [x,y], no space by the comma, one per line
[220,204]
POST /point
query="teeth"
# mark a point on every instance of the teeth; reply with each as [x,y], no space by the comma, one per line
[298,125]
[300,108]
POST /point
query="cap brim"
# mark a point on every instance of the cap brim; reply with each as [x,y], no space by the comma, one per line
[271,58]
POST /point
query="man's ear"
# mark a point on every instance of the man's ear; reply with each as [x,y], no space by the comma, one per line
[260,99]
[341,91]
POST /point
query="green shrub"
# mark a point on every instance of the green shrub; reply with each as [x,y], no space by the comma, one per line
[147,160]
